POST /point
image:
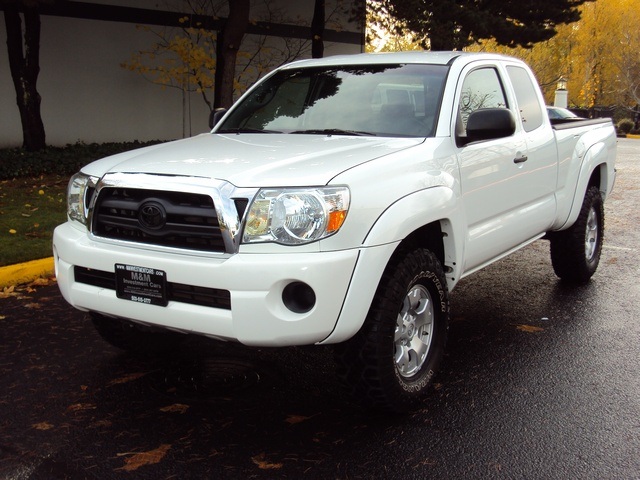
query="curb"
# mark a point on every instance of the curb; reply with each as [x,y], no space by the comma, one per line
[26,272]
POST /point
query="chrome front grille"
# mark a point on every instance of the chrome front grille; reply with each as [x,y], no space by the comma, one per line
[162,218]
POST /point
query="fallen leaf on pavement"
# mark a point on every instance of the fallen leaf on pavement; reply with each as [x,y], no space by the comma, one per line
[102,423]
[175,408]
[127,378]
[42,426]
[263,464]
[8,292]
[78,407]
[42,282]
[293,419]
[141,459]
[529,328]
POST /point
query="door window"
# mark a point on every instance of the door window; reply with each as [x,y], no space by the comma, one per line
[481,89]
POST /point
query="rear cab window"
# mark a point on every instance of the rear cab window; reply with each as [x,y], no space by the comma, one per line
[527,98]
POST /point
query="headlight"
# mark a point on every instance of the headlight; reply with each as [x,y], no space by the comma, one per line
[292,216]
[79,192]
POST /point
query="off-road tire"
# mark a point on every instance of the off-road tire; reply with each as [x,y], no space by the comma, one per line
[575,252]
[382,365]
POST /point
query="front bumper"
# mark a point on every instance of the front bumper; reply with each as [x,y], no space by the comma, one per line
[258,315]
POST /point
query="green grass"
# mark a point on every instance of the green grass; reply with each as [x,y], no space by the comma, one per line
[29,211]
[33,194]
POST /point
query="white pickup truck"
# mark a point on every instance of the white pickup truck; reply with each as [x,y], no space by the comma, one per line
[337,202]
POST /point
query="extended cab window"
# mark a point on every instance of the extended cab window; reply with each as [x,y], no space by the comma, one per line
[382,100]
[528,103]
[481,89]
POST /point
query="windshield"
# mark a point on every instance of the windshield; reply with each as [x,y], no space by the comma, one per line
[382,100]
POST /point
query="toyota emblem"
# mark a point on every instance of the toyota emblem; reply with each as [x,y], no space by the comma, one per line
[152,215]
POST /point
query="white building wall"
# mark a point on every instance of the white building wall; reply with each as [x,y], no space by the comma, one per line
[88,97]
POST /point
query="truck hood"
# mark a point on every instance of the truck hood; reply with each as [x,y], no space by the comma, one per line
[254,160]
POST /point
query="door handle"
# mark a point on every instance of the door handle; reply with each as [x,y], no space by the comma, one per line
[521,159]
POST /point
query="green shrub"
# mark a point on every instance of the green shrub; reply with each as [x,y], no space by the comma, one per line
[625,125]
[65,161]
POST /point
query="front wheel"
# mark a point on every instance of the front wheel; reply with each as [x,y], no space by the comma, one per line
[575,252]
[390,362]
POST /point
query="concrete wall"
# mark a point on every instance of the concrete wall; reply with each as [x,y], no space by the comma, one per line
[88,97]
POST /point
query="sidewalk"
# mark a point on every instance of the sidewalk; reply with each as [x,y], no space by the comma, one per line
[26,272]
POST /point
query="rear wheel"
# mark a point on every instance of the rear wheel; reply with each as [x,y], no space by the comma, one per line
[575,252]
[132,337]
[391,361]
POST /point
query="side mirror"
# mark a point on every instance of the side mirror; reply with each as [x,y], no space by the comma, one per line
[215,116]
[490,123]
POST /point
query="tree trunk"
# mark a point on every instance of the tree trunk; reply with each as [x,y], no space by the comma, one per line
[317,29]
[24,64]
[229,40]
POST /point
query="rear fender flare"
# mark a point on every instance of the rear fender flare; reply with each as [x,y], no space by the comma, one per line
[594,159]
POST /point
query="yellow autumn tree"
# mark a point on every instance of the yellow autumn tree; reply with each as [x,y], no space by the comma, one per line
[192,57]
[592,70]
[384,33]
[546,59]
[181,58]
[599,55]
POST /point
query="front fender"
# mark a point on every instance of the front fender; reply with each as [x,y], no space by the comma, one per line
[397,222]
[411,212]
[408,214]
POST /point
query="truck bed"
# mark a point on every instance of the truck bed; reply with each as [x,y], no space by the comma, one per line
[566,123]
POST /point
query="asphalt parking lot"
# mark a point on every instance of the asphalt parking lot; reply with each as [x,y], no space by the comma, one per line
[540,381]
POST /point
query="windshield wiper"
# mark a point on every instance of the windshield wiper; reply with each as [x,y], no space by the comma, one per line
[335,131]
[246,130]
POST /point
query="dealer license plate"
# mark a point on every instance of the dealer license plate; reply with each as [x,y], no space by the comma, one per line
[141,284]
